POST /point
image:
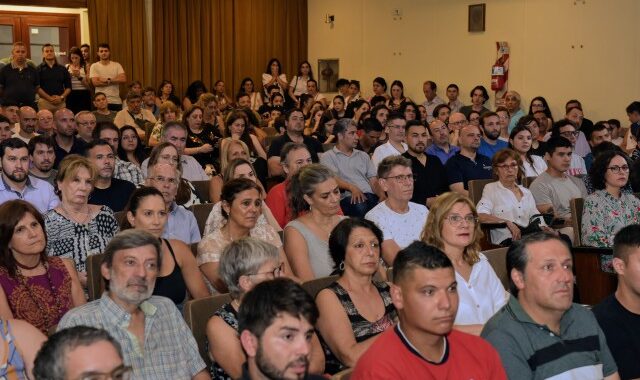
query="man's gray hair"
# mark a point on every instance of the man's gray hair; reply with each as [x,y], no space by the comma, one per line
[132,238]
[244,257]
[171,125]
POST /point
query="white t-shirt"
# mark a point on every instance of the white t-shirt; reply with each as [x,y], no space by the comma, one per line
[299,85]
[110,70]
[538,167]
[401,228]
[386,150]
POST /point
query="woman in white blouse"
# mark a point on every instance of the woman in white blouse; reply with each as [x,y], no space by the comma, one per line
[521,140]
[273,75]
[505,200]
[298,85]
[452,226]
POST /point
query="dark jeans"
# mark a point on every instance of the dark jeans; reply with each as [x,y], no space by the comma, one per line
[358,209]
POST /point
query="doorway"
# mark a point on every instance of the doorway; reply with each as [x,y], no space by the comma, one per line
[37,29]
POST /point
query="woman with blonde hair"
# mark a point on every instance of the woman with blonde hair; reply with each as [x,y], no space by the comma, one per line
[234,149]
[452,226]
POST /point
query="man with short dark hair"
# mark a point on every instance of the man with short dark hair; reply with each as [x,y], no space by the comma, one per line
[106,76]
[540,333]
[452,95]
[65,139]
[107,190]
[400,220]
[102,111]
[275,322]
[134,115]
[468,164]
[440,137]
[342,85]
[567,129]
[596,135]
[619,314]
[155,339]
[430,90]
[6,128]
[16,183]
[55,81]
[575,114]
[80,352]
[491,128]
[395,130]
[424,345]
[19,81]
[27,127]
[124,170]
[295,128]
[86,122]
[149,101]
[428,171]
[370,139]
[42,158]
[355,171]
[11,110]
[243,100]
[294,156]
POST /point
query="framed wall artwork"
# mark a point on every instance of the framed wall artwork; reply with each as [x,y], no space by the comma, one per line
[477,17]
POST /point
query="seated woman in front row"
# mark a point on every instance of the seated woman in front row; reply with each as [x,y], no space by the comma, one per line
[452,226]
[609,208]
[34,287]
[506,200]
[179,272]
[244,264]
[355,308]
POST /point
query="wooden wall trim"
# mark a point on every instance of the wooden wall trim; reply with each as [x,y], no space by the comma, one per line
[49,3]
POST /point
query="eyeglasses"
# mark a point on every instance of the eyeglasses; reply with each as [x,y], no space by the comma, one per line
[616,169]
[460,123]
[403,178]
[119,373]
[456,220]
[510,166]
[161,179]
[277,272]
[569,134]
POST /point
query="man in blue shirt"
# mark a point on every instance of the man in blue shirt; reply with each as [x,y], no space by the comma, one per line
[467,164]
[441,146]
[17,183]
[490,144]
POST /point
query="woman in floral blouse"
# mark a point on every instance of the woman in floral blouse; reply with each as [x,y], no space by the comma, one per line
[608,209]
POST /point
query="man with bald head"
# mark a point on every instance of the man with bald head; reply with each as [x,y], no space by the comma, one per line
[181,223]
[27,126]
[44,125]
[441,144]
[468,164]
[65,141]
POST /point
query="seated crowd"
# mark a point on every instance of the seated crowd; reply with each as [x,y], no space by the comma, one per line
[376,195]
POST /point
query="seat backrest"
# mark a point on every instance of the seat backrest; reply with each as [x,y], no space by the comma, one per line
[526,182]
[498,259]
[202,188]
[475,187]
[343,375]
[390,274]
[577,204]
[201,212]
[197,313]
[95,282]
[313,287]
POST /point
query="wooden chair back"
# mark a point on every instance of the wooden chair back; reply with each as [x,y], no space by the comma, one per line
[201,212]
[475,189]
[95,282]
[498,259]
[197,313]
[313,287]
[577,204]
[202,188]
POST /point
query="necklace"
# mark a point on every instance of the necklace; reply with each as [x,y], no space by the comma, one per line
[86,214]
[49,318]
[26,267]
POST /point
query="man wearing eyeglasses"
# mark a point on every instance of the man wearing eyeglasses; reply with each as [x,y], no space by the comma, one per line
[181,223]
[155,339]
[27,127]
[400,220]
[83,353]
[568,129]
[575,114]
[107,190]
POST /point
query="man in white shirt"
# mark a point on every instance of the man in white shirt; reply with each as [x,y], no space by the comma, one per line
[430,92]
[135,116]
[400,220]
[396,124]
[106,76]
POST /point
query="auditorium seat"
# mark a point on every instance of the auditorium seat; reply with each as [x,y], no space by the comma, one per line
[95,283]
[201,212]
[197,313]
[313,287]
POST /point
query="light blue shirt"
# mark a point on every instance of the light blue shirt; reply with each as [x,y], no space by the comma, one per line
[37,192]
[182,225]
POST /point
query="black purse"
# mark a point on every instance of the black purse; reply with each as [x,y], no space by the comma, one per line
[534,225]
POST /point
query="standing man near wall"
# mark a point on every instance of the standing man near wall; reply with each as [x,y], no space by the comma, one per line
[19,81]
[55,81]
[430,92]
[106,75]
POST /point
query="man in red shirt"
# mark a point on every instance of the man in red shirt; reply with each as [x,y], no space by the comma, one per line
[423,344]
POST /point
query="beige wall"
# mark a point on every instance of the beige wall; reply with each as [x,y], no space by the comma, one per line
[560,50]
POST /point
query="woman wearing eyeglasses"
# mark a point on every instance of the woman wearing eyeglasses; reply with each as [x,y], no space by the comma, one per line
[608,209]
[505,201]
[355,308]
[452,226]
[244,263]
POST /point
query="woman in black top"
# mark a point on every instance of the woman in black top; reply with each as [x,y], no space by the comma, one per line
[202,142]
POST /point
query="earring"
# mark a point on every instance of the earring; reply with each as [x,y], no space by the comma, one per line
[341,266]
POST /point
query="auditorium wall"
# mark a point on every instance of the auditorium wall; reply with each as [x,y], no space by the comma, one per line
[561,49]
